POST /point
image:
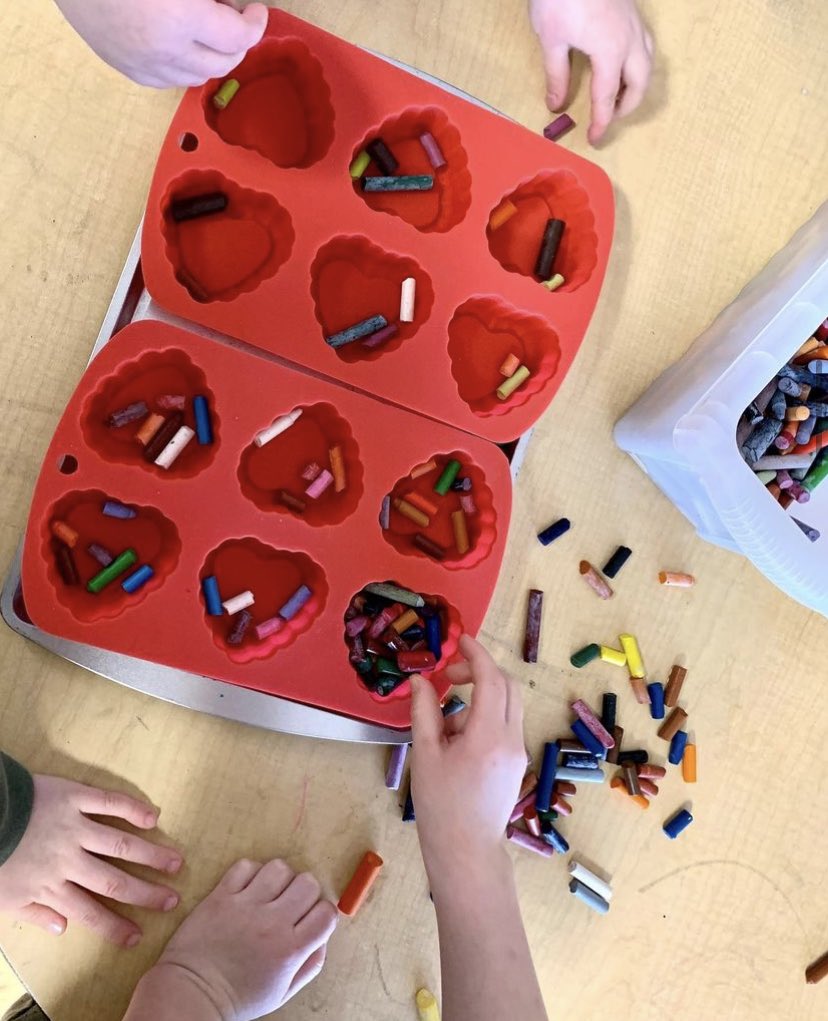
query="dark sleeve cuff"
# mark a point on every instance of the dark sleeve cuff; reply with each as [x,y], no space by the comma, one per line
[16,799]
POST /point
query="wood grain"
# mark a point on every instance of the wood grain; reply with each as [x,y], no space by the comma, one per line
[713,175]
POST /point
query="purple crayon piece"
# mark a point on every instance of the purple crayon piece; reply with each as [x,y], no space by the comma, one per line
[385,512]
[114,509]
[102,555]
[381,336]
[396,767]
[559,127]
[295,603]
[240,627]
[131,413]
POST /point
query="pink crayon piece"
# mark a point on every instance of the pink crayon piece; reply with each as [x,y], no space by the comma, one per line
[269,627]
[593,724]
[529,842]
[311,472]
[559,127]
[380,337]
[356,625]
[521,806]
[467,503]
[432,150]
[171,402]
[319,484]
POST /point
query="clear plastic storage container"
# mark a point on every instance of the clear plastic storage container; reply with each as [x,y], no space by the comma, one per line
[682,431]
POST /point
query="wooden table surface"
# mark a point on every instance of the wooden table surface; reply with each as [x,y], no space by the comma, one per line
[712,177]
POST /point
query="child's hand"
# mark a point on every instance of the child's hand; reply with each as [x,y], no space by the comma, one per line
[466,770]
[155,42]
[249,946]
[612,35]
[50,877]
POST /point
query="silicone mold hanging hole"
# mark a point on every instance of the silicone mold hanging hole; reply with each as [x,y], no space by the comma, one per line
[282,109]
[154,538]
[67,464]
[156,374]
[481,525]
[353,279]
[549,195]
[222,255]
[279,464]
[272,575]
[482,333]
[452,629]
[188,142]
[447,203]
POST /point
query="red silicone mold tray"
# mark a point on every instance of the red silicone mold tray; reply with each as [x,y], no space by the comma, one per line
[301,251]
[213,513]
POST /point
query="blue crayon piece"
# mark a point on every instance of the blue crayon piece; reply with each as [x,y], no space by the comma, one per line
[137,579]
[590,897]
[295,603]
[203,424]
[679,822]
[551,836]
[573,761]
[454,706]
[434,636]
[116,509]
[408,808]
[656,693]
[212,596]
[588,739]
[553,532]
[414,633]
[549,766]
[677,746]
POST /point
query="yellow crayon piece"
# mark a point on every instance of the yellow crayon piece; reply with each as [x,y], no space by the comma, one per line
[359,165]
[427,1006]
[508,386]
[225,93]
[614,656]
[634,661]
[554,282]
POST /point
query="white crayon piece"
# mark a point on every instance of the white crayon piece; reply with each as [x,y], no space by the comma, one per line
[238,603]
[173,449]
[583,875]
[580,775]
[278,427]
[407,295]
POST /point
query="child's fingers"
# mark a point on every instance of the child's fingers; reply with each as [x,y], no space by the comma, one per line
[307,973]
[271,880]
[237,877]
[556,63]
[76,905]
[426,718]
[93,801]
[316,928]
[199,63]
[299,897]
[489,683]
[636,77]
[226,30]
[43,917]
[109,881]
[606,81]
[106,840]
[459,673]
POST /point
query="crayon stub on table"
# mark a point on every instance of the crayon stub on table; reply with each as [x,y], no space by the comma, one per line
[427,1006]
[678,823]
[598,585]
[676,579]
[817,971]
[360,885]
[531,638]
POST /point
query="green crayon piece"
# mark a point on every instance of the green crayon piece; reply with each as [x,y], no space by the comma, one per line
[449,474]
[109,574]
[585,655]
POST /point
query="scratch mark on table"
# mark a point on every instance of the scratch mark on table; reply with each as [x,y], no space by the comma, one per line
[302,804]
[138,718]
[383,983]
[726,861]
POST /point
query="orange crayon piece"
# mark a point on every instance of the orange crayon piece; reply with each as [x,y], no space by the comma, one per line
[360,885]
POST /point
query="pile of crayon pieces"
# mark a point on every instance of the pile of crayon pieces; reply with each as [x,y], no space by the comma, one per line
[375,331]
[237,607]
[378,156]
[162,432]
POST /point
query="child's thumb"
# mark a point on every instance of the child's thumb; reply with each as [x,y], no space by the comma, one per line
[426,718]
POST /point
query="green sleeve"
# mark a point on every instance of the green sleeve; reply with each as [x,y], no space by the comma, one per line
[16,797]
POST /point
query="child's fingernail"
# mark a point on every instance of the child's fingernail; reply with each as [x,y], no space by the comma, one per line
[151,818]
[170,903]
[133,940]
[58,928]
[174,865]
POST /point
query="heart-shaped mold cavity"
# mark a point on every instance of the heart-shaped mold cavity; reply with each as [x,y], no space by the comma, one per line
[484,331]
[301,457]
[448,201]
[224,254]
[549,195]
[282,108]
[367,652]
[273,576]
[353,279]
[474,506]
[153,537]
[165,382]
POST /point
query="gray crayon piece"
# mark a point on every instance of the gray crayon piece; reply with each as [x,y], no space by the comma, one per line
[355,332]
[409,182]
[799,473]
[773,462]
[589,897]
[744,429]
[778,405]
[789,386]
[753,414]
[812,533]
[760,439]
[805,429]
[763,400]
[801,375]
[817,408]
